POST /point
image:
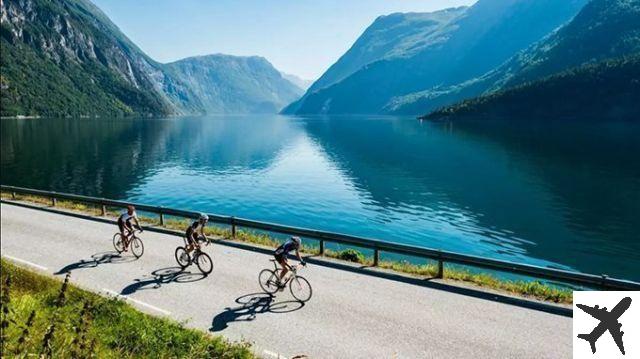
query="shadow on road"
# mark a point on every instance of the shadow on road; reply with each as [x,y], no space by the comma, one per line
[162,276]
[250,306]
[97,259]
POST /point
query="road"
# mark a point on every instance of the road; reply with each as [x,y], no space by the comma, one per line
[350,315]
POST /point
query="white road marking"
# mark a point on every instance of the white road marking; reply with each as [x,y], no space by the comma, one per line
[26,262]
[275,355]
[152,307]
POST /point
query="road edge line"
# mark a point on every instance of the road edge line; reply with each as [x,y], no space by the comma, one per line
[139,302]
[15,259]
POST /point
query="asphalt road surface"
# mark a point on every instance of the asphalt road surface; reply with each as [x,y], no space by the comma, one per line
[351,315]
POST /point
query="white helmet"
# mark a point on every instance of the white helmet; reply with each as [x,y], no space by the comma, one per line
[296,240]
[203,217]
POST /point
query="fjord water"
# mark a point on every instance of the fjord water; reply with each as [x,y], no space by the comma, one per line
[557,194]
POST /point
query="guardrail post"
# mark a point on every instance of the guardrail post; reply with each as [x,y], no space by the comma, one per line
[104,210]
[233,227]
[603,284]
[440,273]
[161,218]
[13,195]
[54,201]
[376,257]
[322,247]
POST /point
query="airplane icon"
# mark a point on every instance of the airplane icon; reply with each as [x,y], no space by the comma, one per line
[608,321]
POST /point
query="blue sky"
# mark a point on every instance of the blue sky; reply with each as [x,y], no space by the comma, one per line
[302,37]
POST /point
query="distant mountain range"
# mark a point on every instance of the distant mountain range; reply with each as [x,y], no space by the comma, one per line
[66,58]
[231,84]
[300,82]
[588,68]
[400,56]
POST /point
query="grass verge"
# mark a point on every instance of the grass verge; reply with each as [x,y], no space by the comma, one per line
[531,289]
[45,317]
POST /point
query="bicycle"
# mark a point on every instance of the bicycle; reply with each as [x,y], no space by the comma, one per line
[133,241]
[299,286]
[202,260]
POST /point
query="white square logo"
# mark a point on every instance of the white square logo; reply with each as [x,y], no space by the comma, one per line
[606,325]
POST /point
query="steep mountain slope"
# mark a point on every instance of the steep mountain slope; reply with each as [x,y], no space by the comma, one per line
[603,29]
[66,58]
[233,84]
[606,90]
[395,35]
[467,46]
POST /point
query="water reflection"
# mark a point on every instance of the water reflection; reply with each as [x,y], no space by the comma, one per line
[110,157]
[591,175]
[565,195]
[81,156]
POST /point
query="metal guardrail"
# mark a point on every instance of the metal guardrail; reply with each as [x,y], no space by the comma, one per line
[590,280]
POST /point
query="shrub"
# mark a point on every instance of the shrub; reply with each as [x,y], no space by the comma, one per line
[351,255]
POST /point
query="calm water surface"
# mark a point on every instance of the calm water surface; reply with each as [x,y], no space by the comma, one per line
[561,195]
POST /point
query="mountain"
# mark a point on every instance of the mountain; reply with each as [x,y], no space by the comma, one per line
[609,89]
[233,84]
[603,29]
[452,47]
[300,82]
[66,58]
[388,37]
[394,36]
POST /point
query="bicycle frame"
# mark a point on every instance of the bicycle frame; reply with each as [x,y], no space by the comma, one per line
[129,236]
[292,269]
[196,248]
[196,245]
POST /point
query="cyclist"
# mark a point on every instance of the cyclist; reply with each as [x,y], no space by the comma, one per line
[192,232]
[126,221]
[281,255]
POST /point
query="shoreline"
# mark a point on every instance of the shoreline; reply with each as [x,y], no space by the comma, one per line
[531,290]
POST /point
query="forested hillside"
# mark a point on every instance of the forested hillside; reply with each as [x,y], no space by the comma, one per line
[608,90]
[603,29]
[66,58]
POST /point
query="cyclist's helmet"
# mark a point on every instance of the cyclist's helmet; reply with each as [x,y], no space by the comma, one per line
[203,217]
[296,240]
[131,209]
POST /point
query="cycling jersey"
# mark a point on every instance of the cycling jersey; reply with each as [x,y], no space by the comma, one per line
[192,230]
[285,248]
[126,217]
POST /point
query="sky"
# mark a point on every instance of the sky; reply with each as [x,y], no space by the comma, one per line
[300,37]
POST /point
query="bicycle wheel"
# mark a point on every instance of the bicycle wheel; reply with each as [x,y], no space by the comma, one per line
[182,257]
[268,281]
[137,248]
[300,288]
[118,242]
[204,262]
